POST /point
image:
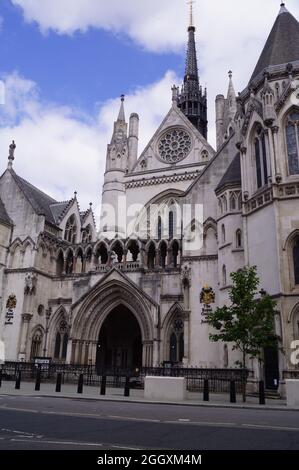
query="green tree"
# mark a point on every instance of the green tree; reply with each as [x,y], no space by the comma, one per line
[248,322]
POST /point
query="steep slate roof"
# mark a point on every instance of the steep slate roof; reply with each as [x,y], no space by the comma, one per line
[3,214]
[58,209]
[282,46]
[232,176]
[40,201]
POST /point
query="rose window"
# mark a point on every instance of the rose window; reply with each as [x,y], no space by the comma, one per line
[174,145]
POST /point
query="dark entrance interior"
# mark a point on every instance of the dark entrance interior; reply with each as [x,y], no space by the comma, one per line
[120,343]
[271,368]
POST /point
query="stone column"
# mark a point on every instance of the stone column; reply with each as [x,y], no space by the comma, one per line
[26,317]
[73,354]
[86,353]
[275,130]
[156,358]
[186,339]
[269,150]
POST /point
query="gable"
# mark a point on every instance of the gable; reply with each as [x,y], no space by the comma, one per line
[175,143]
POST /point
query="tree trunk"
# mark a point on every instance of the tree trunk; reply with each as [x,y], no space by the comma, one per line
[244,379]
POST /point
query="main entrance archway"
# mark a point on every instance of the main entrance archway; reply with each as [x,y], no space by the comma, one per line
[120,341]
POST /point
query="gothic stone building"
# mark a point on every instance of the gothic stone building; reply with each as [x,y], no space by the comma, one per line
[140,297]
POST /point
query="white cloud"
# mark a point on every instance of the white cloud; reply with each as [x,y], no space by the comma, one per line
[61,150]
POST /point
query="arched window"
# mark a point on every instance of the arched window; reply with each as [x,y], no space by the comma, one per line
[239,239]
[88,259]
[225,203]
[64,346]
[151,256]
[163,254]
[173,348]
[220,206]
[232,202]
[175,253]
[223,234]
[133,250]
[36,345]
[159,228]
[260,159]
[57,346]
[240,201]
[70,263]
[224,279]
[61,341]
[60,264]
[70,234]
[181,347]
[292,138]
[102,255]
[87,234]
[171,225]
[79,262]
[118,251]
[296,260]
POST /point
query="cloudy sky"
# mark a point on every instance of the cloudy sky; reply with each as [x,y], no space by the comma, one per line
[66,62]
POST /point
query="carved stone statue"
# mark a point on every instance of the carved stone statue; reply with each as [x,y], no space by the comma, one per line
[30,283]
[12,149]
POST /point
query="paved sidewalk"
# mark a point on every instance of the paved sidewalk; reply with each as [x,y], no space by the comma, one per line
[114,394]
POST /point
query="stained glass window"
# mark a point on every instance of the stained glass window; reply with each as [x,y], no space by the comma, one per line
[292,136]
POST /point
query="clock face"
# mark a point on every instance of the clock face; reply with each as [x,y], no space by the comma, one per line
[174,145]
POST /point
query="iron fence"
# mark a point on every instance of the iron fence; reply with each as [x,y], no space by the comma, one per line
[219,379]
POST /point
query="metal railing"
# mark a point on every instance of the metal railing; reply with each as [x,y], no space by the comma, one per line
[219,379]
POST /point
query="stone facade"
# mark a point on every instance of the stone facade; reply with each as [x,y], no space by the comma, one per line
[134,298]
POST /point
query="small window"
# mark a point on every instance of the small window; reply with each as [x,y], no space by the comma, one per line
[239,239]
[292,138]
[261,159]
[70,234]
[232,202]
[224,279]
[223,234]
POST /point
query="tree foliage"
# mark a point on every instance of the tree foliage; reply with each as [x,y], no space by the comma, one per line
[248,322]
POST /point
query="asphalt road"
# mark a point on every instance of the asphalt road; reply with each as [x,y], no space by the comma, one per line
[57,423]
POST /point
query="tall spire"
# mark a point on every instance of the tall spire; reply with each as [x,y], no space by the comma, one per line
[121,114]
[193,100]
[191,3]
[282,46]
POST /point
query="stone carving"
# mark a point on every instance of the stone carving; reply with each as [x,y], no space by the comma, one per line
[174,145]
[207,295]
[12,149]
[186,274]
[11,302]
[30,284]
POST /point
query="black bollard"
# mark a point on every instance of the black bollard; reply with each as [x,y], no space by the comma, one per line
[233,397]
[0,378]
[206,390]
[127,387]
[80,383]
[103,385]
[58,382]
[18,380]
[262,393]
[38,380]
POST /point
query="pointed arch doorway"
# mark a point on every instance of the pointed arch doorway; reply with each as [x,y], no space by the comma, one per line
[120,341]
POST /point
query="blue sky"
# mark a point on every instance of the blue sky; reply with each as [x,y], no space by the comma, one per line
[65,64]
[82,70]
